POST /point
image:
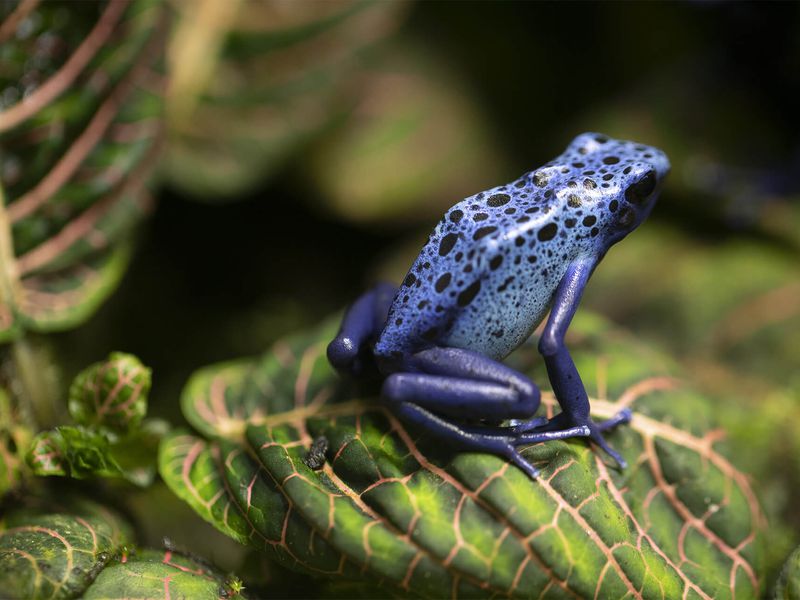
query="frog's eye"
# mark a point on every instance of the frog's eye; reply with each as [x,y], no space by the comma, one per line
[639,191]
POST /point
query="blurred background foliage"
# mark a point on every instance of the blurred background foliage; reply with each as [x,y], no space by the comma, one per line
[309,147]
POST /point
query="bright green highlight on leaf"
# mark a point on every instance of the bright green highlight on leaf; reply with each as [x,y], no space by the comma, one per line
[395,507]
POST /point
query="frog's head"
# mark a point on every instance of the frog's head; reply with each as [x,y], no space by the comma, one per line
[621,181]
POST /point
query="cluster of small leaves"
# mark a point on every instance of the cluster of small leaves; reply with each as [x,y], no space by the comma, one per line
[83,549]
[80,128]
[108,401]
[394,507]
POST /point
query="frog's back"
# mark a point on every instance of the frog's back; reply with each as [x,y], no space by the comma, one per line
[486,276]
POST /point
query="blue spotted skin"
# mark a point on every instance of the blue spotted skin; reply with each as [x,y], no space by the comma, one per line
[491,270]
[487,275]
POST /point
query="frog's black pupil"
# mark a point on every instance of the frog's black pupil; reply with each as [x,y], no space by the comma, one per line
[639,191]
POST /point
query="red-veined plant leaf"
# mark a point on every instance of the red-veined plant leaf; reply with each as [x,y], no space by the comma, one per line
[83,549]
[80,129]
[394,505]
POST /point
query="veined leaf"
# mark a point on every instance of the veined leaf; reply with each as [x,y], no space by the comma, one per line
[80,128]
[82,549]
[111,393]
[56,554]
[395,505]
[161,574]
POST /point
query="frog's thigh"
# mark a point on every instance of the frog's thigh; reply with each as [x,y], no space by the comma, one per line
[465,384]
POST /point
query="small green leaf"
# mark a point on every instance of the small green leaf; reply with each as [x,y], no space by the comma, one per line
[162,574]
[396,507]
[788,586]
[111,393]
[56,554]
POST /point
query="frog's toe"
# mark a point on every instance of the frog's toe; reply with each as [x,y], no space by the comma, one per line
[622,417]
[519,426]
[598,439]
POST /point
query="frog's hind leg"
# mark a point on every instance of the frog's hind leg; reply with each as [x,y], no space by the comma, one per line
[445,386]
[349,352]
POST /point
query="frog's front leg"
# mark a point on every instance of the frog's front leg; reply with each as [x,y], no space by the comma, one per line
[564,377]
[362,322]
[443,387]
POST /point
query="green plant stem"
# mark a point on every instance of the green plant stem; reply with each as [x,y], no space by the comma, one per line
[30,386]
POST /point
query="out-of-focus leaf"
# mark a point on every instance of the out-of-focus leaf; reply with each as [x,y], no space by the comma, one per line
[111,393]
[57,554]
[788,586]
[737,300]
[80,114]
[393,505]
[14,441]
[161,574]
[415,144]
[253,81]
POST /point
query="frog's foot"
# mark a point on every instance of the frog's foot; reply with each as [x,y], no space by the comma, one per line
[562,422]
[495,440]
[350,350]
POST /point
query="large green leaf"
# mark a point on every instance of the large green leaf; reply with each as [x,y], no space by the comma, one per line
[56,554]
[394,505]
[80,128]
[82,549]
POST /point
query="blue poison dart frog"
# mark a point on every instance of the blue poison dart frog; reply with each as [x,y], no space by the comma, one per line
[487,276]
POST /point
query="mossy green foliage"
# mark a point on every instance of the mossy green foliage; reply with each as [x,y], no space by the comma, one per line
[79,132]
[81,549]
[108,400]
[396,507]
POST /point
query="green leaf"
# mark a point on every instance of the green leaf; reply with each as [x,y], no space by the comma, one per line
[81,549]
[80,129]
[251,84]
[418,133]
[56,554]
[394,506]
[788,587]
[109,402]
[111,393]
[161,574]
